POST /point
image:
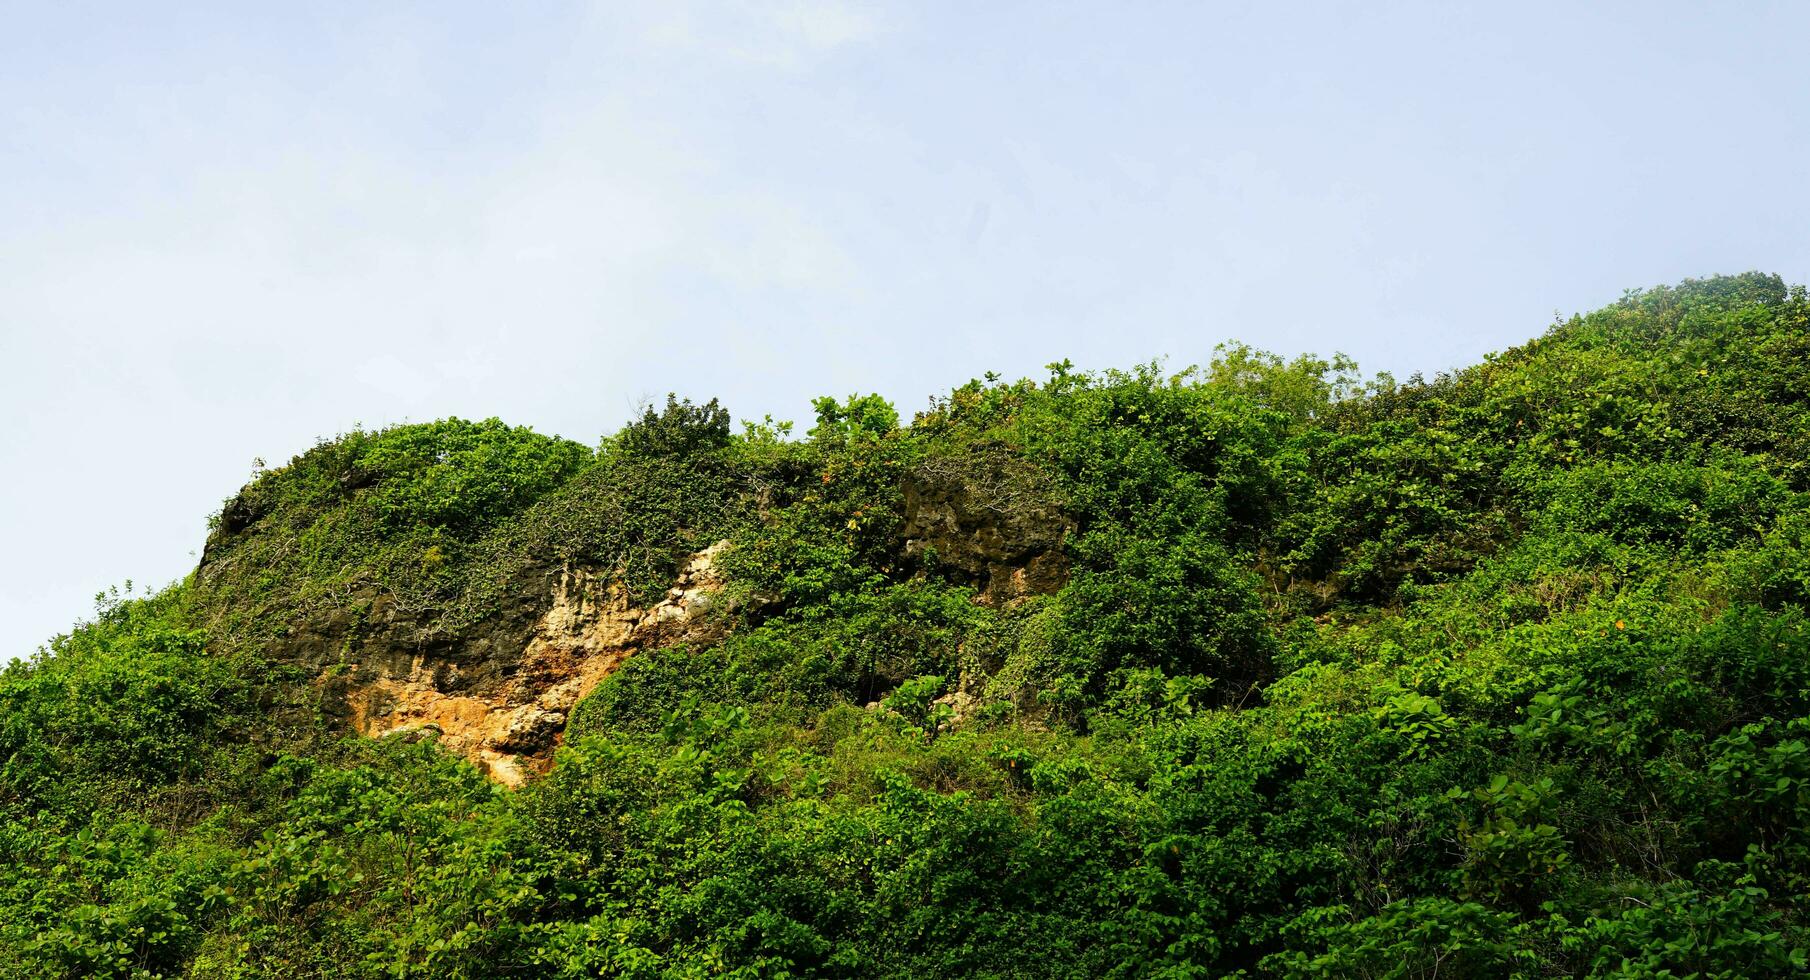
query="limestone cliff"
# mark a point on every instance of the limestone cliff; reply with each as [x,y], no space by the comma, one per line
[511,728]
[307,568]
[980,520]
[497,690]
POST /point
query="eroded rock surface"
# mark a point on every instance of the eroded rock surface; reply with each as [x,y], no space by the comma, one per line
[982,520]
[507,709]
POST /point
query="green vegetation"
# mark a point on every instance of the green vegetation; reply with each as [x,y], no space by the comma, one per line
[1501,673]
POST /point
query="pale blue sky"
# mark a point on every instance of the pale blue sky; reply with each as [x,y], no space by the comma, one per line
[227,229]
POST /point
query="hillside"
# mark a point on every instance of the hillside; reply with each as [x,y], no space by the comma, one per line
[1261,668]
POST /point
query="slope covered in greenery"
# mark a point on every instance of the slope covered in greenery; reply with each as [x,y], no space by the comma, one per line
[1502,673]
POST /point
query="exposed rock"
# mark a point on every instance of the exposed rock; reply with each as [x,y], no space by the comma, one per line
[507,713]
[984,521]
[962,706]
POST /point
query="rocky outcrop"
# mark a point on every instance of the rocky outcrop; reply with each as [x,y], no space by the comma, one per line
[501,692]
[495,665]
[983,520]
[588,629]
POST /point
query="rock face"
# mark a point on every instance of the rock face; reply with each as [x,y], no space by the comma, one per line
[500,695]
[978,522]
[500,686]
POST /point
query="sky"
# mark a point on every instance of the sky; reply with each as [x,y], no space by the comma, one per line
[228,230]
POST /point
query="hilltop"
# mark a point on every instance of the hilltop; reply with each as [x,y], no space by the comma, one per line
[1262,668]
